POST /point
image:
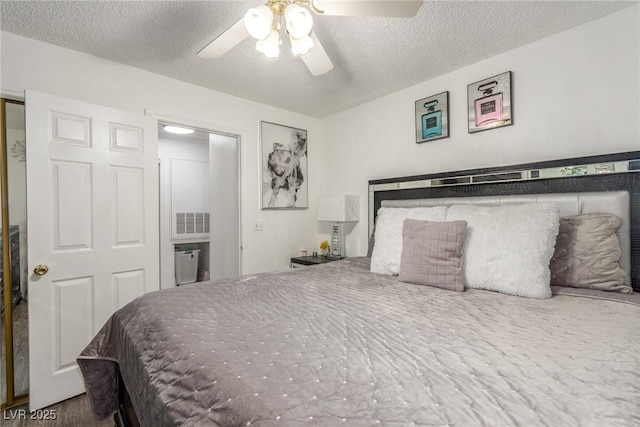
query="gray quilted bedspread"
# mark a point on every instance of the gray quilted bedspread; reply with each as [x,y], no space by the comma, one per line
[336,345]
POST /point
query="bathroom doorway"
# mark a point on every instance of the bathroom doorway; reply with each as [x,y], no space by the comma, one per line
[199,204]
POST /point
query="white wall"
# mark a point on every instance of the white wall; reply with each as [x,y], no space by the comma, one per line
[574,94]
[31,64]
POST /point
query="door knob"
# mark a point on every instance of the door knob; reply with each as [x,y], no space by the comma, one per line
[40,269]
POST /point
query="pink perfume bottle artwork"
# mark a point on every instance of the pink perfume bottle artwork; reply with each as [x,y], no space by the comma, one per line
[488,109]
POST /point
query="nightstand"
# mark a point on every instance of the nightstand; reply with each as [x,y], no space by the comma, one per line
[305,261]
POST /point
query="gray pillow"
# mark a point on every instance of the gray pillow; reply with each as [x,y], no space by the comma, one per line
[432,253]
[588,252]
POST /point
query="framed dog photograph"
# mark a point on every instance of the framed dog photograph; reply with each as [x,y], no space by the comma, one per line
[284,167]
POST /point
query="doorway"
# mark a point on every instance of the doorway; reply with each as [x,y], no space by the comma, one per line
[13,276]
[199,204]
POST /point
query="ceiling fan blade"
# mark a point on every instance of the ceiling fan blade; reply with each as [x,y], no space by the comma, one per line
[398,8]
[225,41]
[317,60]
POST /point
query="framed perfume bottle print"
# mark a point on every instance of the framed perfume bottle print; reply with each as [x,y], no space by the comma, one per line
[432,118]
[490,103]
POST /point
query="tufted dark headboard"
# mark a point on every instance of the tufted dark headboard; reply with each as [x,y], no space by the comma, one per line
[612,172]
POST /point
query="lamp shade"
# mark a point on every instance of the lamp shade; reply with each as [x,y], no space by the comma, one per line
[298,21]
[258,21]
[338,208]
[301,46]
[270,45]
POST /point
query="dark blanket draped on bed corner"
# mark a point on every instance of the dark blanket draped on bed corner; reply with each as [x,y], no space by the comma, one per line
[337,345]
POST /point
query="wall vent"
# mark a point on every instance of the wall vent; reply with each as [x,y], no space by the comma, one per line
[192,222]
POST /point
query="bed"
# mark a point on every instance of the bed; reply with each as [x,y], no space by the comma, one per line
[339,344]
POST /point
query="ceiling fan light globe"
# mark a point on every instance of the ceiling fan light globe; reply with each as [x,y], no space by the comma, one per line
[258,22]
[270,45]
[301,46]
[298,21]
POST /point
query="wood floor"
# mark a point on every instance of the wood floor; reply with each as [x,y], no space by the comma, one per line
[74,412]
[20,351]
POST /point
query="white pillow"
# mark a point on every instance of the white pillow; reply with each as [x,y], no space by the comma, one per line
[387,250]
[508,248]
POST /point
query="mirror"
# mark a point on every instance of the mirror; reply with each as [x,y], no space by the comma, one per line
[15,338]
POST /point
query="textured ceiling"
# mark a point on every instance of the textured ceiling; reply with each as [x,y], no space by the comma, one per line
[372,56]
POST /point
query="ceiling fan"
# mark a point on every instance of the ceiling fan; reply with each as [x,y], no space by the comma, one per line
[292,18]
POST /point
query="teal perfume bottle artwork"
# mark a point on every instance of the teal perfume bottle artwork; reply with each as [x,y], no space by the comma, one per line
[432,121]
[432,117]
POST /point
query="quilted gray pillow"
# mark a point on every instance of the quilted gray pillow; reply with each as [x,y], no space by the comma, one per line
[588,252]
[432,253]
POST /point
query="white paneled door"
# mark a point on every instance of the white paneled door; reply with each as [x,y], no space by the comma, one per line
[92,191]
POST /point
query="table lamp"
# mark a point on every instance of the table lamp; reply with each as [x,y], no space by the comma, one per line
[338,209]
